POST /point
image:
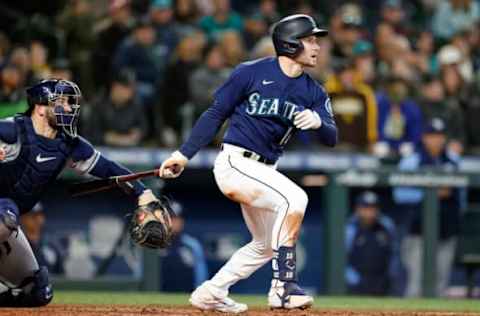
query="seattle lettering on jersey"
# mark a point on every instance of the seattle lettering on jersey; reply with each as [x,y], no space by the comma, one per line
[258,106]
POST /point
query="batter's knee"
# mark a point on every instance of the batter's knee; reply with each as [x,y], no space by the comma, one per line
[298,201]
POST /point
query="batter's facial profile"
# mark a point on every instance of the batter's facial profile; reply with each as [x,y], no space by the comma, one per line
[310,52]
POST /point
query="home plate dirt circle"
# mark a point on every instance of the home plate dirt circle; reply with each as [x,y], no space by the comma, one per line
[161,310]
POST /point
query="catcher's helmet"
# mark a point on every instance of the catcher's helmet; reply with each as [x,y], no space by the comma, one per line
[48,92]
[287,32]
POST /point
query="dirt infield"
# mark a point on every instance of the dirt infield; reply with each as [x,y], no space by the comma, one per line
[157,310]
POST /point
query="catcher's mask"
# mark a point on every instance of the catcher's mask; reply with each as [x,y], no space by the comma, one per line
[60,95]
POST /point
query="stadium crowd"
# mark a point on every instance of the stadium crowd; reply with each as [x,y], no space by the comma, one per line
[394,71]
[147,69]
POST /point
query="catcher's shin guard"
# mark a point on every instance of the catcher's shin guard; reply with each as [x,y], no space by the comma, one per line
[40,294]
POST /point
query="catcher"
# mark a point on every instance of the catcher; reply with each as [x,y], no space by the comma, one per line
[34,148]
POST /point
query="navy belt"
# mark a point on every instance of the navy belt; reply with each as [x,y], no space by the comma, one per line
[256,157]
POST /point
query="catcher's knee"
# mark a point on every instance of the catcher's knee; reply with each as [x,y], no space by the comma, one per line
[8,218]
[40,293]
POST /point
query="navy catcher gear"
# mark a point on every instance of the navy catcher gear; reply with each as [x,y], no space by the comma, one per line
[8,217]
[40,294]
[287,32]
[55,93]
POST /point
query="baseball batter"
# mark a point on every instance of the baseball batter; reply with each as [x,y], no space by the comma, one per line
[34,149]
[266,101]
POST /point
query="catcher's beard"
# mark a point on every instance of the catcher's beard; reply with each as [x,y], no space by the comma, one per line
[51,118]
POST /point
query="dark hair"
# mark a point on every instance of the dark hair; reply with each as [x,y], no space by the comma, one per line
[124,76]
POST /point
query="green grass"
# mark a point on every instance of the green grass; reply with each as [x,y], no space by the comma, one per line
[144,298]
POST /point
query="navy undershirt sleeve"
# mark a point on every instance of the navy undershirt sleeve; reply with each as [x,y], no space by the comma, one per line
[226,98]
[327,132]
[101,167]
[105,168]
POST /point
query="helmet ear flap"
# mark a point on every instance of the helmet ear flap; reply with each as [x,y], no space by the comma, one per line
[293,49]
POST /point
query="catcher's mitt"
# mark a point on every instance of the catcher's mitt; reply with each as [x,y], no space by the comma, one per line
[151,224]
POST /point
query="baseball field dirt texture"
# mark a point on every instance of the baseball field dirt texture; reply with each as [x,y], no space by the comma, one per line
[123,304]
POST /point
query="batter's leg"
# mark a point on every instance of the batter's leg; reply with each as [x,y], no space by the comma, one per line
[213,294]
[253,255]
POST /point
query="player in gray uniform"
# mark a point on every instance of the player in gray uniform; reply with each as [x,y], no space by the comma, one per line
[34,148]
[266,101]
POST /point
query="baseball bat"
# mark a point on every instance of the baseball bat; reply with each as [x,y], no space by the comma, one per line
[78,189]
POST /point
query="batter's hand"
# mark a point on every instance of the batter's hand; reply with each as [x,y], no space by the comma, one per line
[307,119]
[173,166]
[3,154]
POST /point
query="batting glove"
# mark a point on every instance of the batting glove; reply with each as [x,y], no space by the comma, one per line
[307,119]
[173,166]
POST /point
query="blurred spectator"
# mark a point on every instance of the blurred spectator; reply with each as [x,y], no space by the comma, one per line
[259,20]
[433,104]
[345,30]
[354,106]
[452,16]
[174,94]
[121,120]
[4,47]
[399,120]
[393,13]
[268,10]
[109,38]
[46,251]
[138,53]
[255,28]
[425,60]
[207,78]
[77,22]
[184,266]
[263,48]
[205,7]
[166,31]
[364,61]
[20,58]
[12,95]
[186,16]
[457,54]
[395,55]
[223,19]
[233,48]
[61,69]
[39,61]
[432,153]
[372,249]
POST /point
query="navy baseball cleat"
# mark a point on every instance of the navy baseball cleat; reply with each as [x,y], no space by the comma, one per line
[288,295]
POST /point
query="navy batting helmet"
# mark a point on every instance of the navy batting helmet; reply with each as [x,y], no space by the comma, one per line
[287,32]
[54,92]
